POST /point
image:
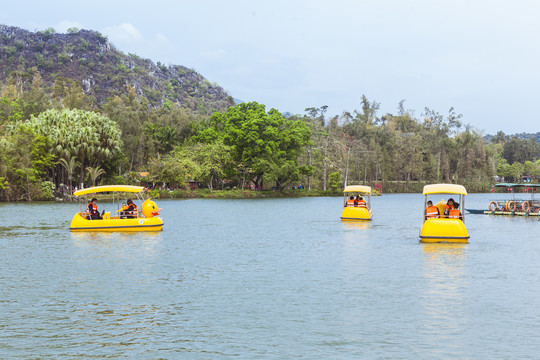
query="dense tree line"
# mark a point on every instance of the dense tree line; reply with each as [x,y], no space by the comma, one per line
[402,152]
[56,137]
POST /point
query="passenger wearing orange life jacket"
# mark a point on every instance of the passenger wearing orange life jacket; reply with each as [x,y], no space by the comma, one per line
[122,211]
[92,210]
[432,212]
[131,210]
[360,201]
[449,206]
[350,202]
[454,213]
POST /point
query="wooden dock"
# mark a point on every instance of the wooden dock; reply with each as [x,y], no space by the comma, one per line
[511,213]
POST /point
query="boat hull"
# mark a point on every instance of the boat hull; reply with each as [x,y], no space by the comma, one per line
[475,211]
[356,213]
[444,230]
[116,224]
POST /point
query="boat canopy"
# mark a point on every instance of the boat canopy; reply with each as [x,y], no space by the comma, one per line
[358,189]
[515,185]
[445,189]
[109,188]
[504,185]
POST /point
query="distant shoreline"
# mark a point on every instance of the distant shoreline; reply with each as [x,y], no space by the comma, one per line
[230,194]
[239,194]
[217,194]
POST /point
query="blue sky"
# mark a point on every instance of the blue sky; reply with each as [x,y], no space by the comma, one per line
[480,57]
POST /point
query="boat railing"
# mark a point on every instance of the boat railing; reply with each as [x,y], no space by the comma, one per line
[511,205]
[444,217]
[120,215]
[125,215]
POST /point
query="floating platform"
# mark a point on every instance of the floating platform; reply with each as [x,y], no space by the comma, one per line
[511,213]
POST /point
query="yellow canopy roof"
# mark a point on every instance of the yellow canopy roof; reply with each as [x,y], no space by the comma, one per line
[108,188]
[357,188]
[444,189]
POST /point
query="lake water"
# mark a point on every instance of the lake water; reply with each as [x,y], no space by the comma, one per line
[268,279]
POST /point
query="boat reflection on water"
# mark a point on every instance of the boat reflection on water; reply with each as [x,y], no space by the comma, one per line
[106,237]
[443,249]
[351,225]
[118,244]
[444,264]
[356,234]
[443,300]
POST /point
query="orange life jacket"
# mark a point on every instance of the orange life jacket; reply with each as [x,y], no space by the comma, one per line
[350,202]
[133,210]
[432,212]
[94,207]
[361,203]
[454,213]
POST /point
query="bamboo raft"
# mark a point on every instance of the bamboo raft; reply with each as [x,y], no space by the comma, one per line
[515,206]
[511,213]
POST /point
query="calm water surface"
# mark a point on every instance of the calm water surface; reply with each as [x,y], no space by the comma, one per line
[268,279]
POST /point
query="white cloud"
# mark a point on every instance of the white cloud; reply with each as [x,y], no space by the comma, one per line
[214,55]
[123,33]
[162,39]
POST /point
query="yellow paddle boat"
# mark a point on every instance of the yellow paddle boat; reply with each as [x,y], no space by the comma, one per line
[437,226]
[355,206]
[144,218]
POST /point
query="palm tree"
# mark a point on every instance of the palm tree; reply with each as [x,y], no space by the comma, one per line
[95,173]
[167,138]
[70,167]
[89,137]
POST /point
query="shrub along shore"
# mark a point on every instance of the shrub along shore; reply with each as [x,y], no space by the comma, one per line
[230,194]
[241,194]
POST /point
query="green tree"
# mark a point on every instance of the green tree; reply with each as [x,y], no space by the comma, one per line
[90,137]
[214,160]
[334,180]
[69,166]
[167,138]
[521,150]
[175,169]
[25,163]
[516,170]
[94,173]
[264,143]
[503,169]
[535,171]
[527,167]
[369,112]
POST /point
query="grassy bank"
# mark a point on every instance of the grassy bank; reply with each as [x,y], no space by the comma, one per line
[237,194]
[240,194]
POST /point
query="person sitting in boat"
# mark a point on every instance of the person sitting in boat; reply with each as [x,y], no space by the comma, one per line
[350,202]
[432,212]
[131,211]
[360,201]
[122,211]
[93,213]
[454,213]
[449,206]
